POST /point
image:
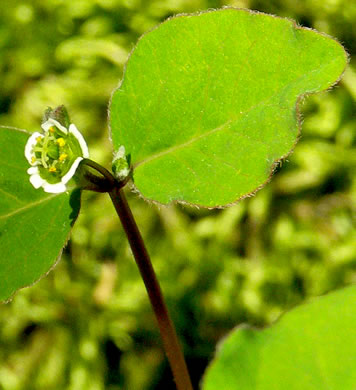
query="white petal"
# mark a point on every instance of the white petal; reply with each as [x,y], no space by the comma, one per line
[37,181]
[81,140]
[32,141]
[32,171]
[55,188]
[52,122]
[71,172]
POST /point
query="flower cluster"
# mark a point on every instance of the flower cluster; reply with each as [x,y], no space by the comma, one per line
[54,155]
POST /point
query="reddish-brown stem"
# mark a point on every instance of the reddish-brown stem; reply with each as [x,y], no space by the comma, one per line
[166,327]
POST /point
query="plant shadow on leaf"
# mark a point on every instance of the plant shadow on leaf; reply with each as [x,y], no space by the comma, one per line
[75,203]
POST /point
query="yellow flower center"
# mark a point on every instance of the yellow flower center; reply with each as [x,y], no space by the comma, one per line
[62,157]
[52,169]
[61,142]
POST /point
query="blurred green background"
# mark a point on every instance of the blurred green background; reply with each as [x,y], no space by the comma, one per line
[88,324]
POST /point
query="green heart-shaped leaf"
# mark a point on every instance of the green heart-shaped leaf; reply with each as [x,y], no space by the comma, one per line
[34,225]
[313,347]
[208,103]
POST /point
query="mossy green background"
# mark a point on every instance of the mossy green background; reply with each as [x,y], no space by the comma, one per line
[88,324]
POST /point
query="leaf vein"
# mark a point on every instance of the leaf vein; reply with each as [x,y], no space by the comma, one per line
[11,196]
[28,206]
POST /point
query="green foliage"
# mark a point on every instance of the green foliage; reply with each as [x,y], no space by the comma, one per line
[34,225]
[83,325]
[312,347]
[208,102]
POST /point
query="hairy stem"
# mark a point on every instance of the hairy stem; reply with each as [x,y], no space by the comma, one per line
[166,327]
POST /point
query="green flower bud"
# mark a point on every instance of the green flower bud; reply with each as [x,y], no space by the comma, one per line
[121,164]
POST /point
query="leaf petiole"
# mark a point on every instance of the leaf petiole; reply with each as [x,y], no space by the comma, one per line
[170,340]
[108,183]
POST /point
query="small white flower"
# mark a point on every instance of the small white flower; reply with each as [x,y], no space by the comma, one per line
[54,156]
